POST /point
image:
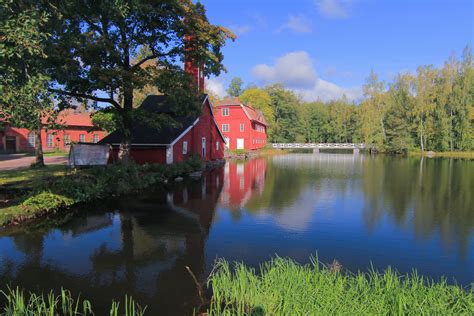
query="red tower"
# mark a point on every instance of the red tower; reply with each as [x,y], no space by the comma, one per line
[196,71]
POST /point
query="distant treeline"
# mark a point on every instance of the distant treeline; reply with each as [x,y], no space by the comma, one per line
[429,110]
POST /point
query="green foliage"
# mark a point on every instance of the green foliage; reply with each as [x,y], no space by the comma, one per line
[19,303]
[260,100]
[105,120]
[283,287]
[46,201]
[235,87]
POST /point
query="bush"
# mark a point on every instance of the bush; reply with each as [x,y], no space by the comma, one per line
[46,201]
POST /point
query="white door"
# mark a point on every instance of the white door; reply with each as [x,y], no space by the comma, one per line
[203,146]
[227,142]
[240,143]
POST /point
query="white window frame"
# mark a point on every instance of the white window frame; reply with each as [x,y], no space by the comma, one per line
[67,140]
[49,141]
[95,138]
[82,138]
[217,146]
[185,147]
[225,111]
[31,139]
[242,127]
[225,127]
[203,147]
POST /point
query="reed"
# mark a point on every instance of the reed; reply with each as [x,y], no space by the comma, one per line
[32,304]
[283,287]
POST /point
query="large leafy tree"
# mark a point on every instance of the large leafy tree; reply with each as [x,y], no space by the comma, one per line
[24,97]
[260,100]
[94,52]
[235,87]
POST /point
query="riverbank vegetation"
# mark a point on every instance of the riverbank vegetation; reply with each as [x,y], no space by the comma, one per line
[19,303]
[42,193]
[284,287]
[430,110]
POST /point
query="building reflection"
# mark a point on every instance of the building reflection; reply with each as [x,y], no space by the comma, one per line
[243,181]
[141,249]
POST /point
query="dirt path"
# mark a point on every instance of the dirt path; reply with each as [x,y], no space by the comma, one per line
[21,161]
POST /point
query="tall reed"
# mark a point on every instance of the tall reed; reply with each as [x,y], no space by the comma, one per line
[283,287]
[32,304]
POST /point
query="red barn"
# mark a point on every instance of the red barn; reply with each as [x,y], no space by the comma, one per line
[76,127]
[192,135]
[242,126]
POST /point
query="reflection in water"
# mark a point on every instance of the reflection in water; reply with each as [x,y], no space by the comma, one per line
[408,213]
[141,250]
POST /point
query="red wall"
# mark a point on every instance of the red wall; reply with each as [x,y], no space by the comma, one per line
[253,139]
[21,135]
[204,128]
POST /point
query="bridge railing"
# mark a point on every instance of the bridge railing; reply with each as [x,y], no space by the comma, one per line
[318,145]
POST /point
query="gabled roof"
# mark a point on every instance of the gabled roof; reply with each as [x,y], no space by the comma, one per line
[250,112]
[144,135]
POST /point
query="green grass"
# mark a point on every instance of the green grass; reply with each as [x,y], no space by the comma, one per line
[284,287]
[30,177]
[32,304]
[446,154]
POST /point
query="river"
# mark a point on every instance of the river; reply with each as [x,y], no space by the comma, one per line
[363,211]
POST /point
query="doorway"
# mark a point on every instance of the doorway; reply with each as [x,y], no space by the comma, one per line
[10,144]
[240,143]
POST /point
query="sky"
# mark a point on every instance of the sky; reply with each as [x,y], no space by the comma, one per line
[327,48]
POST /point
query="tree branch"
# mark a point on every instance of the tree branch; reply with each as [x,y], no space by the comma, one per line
[152,56]
[87,96]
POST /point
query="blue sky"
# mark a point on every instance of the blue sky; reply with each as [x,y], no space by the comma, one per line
[326,48]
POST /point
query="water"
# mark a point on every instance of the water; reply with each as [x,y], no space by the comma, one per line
[361,210]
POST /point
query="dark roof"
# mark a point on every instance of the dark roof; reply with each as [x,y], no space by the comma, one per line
[142,134]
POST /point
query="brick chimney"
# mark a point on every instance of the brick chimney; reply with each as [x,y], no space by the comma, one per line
[196,71]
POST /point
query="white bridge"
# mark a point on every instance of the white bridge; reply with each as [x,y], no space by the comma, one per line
[317,146]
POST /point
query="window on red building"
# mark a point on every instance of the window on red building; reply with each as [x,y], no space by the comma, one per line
[95,138]
[31,139]
[225,127]
[67,140]
[242,127]
[225,111]
[49,140]
[185,147]
[82,138]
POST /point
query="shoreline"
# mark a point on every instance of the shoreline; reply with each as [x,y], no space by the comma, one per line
[58,194]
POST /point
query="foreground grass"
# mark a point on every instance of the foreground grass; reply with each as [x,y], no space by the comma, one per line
[52,191]
[19,303]
[284,287]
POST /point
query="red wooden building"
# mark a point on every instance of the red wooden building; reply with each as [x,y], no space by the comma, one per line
[193,135]
[75,127]
[242,126]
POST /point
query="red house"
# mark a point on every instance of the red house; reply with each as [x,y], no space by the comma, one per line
[243,126]
[76,127]
[192,135]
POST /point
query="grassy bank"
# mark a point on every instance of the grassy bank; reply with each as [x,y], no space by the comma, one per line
[284,287]
[19,303]
[50,190]
[446,154]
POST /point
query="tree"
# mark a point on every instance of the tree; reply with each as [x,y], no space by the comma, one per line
[260,100]
[93,47]
[24,98]
[284,104]
[235,87]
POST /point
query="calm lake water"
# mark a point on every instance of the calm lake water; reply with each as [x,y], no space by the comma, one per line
[361,210]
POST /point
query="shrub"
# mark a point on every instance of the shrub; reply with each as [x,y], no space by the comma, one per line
[46,201]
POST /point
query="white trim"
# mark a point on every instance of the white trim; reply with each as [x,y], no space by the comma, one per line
[169,154]
[213,116]
[185,132]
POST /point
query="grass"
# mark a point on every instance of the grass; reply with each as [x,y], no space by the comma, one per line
[32,176]
[447,154]
[284,287]
[51,190]
[19,303]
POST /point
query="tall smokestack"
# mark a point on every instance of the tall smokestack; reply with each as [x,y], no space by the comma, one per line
[194,70]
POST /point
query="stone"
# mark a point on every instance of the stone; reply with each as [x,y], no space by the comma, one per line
[178,179]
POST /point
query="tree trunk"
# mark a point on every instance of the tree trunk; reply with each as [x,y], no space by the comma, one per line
[125,145]
[422,145]
[451,131]
[39,161]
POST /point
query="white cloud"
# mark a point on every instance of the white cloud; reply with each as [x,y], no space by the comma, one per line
[216,86]
[295,70]
[240,29]
[298,24]
[326,91]
[336,9]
